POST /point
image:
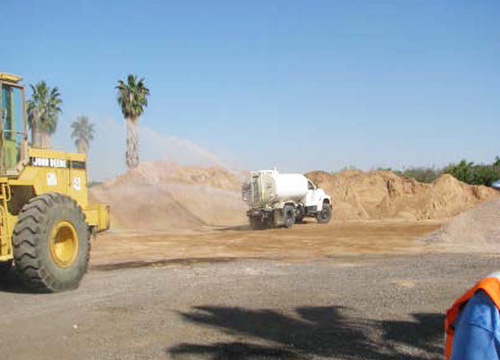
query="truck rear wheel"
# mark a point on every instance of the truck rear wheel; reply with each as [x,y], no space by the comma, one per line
[288,216]
[254,223]
[258,223]
[325,214]
[299,218]
[51,244]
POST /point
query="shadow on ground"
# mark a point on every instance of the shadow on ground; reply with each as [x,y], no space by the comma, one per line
[13,283]
[161,263]
[235,228]
[325,332]
[247,227]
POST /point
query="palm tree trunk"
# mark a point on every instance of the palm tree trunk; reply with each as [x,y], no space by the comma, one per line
[132,154]
[36,137]
[39,139]
[33,133]
[46,140]
[81,146]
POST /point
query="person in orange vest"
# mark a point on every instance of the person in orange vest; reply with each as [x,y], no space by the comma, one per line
[472,324]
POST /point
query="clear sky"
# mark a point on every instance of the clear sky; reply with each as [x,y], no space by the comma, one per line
[301,84]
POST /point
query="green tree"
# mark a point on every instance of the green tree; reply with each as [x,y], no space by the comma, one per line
[43,110]
[132,98]
[82,132]
[470,173]
[462,171]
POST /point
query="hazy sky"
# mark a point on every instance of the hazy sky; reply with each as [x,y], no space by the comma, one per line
[302,85]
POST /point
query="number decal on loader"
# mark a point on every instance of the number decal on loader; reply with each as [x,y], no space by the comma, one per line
[77,184]
[51,179]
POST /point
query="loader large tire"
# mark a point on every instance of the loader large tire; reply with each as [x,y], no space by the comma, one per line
[51,243]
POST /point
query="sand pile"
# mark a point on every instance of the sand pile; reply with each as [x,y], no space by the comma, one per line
[160,196]
[361,195]
[476,229]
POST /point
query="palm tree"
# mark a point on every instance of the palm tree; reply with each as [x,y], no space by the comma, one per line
[43,110]
[132,98]
[82,132]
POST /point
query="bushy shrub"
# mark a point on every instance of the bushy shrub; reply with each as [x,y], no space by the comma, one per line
[423,174]
[93,183]
[465,171]
[475,174]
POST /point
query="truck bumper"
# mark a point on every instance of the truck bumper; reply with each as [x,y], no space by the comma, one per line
[270,217]
[256,213]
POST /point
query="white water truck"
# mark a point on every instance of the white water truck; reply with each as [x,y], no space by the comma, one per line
[283,199]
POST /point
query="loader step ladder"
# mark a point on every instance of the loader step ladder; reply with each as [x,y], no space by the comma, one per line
[5,233]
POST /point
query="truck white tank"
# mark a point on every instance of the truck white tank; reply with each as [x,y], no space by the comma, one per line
[268,187]
[283,187]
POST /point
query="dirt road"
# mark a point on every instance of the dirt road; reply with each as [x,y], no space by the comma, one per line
[303,241]
[367,290]
[364,307]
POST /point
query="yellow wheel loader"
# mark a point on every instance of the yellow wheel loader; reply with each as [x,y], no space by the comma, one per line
[45,220]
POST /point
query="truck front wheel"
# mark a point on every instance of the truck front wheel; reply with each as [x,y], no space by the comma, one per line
[325,214]
[288,216]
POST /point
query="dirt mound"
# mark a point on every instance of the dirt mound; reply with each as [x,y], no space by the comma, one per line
[477,229]
[160,196]
[385,195]
[160,172]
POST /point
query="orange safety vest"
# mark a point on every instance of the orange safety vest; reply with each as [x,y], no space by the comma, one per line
[490,285]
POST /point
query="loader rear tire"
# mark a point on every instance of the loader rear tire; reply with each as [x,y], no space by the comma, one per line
[51,243]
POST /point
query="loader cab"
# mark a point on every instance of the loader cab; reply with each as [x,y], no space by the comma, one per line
[13,135]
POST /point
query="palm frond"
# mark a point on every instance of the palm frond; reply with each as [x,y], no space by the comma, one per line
[82,131]
[132,97]
[44,107]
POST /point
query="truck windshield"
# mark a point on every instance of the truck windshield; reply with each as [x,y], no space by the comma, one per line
[11,127]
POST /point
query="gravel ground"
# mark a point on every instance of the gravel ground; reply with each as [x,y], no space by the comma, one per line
[353,307]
